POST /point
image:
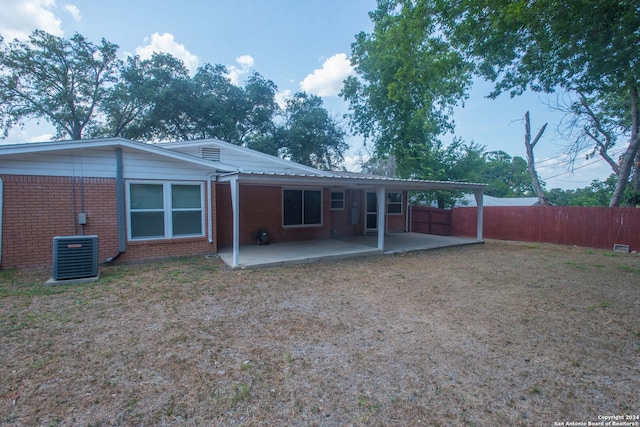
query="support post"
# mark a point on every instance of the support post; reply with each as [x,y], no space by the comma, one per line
[479,195]
[235,206]
[381,195]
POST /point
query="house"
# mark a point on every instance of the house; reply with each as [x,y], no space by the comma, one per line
[147,201]
[469,201]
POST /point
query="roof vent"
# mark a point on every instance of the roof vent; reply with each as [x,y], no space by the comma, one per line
[75,257]
[210,153]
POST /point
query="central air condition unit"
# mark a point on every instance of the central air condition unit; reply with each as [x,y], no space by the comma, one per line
[75,257]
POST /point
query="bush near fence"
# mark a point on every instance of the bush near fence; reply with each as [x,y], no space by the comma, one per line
[596,227]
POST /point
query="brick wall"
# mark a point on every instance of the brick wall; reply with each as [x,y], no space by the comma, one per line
[261,207]
[38,208]
[340,224]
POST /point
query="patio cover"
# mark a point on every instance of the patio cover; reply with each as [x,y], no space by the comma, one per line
[342,179]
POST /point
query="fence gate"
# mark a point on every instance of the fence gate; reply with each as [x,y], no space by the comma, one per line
[430,220]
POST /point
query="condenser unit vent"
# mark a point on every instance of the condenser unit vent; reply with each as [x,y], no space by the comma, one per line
[75,257]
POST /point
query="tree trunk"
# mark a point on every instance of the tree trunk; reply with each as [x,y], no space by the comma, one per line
[635,198]
[542,200]
[630,155]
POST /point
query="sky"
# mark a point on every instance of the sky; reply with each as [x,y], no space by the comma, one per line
[301,45]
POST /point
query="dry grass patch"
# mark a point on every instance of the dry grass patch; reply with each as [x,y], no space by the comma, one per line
[497,334]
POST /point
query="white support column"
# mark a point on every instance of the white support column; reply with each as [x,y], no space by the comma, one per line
[479,195]
[381,195]
[235,206]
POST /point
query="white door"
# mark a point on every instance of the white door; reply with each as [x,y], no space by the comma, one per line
[371,214]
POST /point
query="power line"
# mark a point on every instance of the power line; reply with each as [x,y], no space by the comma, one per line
[612,154]
[576,168]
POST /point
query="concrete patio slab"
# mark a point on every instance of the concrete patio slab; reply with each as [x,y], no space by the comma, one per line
[289,253]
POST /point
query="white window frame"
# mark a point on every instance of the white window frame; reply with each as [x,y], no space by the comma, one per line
[303,225]
[167,209]
[394,203]
[341,200]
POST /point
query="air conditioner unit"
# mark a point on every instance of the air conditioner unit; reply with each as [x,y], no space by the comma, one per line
[75,257]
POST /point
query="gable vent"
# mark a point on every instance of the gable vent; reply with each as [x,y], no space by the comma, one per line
[210,153]
[75,257]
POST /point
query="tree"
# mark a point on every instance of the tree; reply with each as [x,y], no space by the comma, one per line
[61,81]
[309,135]
[531,163]
[128,108]
[588,122]
[580,46]
[206,105]
[505,176]
[597,194]
[409,80]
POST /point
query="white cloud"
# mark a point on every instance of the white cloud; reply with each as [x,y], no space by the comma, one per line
[74,12]
[245,62]
[166,43]
[327,81]
[281,97]
[41,138]
[354,163]
[20,17]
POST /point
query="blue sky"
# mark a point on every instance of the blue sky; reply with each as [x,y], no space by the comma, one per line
[299,45]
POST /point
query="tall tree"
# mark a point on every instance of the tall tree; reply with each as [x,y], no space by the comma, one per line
[531,163]
[505,176]
[309,135]
[581,46]
[129,106]
[409,80]
[52,78]
[207,105]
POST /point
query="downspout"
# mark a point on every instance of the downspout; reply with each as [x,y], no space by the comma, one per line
[73,196]
[81,196]
[120,208]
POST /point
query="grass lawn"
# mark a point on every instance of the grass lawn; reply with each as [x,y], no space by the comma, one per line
[497,334]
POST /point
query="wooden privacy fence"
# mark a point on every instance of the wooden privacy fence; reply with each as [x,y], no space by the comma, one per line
[430,220]
[564,225]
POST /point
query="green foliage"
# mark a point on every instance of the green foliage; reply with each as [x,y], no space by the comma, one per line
[599,193]
[583,45]
[308,134]
[175,106]
[417,65]
[79,86]
[61,81]
[505,176]
[143,85]
[586,47]
[408,82]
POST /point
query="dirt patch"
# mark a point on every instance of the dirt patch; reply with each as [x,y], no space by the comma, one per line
[495,334]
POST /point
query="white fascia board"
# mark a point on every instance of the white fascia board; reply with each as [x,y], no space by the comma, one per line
[43,147]
[351,182]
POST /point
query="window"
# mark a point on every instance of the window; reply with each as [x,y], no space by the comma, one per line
[301,207]
[394,203]
[164,210]
[337,200]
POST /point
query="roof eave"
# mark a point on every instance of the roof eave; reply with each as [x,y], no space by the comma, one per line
[336,181]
